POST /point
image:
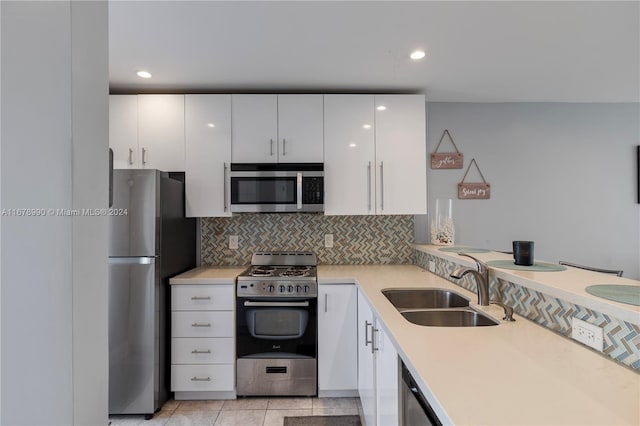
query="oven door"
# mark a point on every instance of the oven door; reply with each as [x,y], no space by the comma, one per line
[277,327]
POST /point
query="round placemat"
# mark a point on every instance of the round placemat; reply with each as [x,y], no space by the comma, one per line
[459,249]
[629,294]
[536,267]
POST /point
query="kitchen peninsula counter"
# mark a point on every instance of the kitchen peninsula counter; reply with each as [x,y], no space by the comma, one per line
[510,374]
[567,285]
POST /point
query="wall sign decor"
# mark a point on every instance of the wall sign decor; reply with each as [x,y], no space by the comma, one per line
[446,160]
[474,191]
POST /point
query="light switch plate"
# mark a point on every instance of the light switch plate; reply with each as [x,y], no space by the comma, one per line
[328,240]
[233,242]
[589,334]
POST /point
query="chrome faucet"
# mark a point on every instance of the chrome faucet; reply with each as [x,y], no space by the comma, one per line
[482,285]
[481,275]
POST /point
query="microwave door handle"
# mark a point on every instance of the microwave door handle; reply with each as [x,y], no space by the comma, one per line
[299,192]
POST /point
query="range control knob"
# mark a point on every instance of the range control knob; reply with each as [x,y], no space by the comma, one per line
[290,289]
[281,288]
[306,289]
[270,288]
[298,289]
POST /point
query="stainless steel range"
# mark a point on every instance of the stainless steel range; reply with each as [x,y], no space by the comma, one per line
[277,325]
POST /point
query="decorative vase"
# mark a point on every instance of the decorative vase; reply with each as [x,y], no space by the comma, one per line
[442,229]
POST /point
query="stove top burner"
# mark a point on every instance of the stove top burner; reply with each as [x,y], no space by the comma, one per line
[301,268]
[294,273]
[262,273]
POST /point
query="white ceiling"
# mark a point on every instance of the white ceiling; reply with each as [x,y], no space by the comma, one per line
[506,51]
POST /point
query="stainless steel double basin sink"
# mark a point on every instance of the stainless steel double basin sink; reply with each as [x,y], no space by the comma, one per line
[436,307]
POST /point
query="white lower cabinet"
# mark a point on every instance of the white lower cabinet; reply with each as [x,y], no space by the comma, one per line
[377,370]
[203,341]
[337,340]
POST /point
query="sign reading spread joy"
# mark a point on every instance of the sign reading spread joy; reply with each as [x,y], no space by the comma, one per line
[474,191]
[446,160]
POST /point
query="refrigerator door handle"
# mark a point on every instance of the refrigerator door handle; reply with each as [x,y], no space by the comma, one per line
[147,260]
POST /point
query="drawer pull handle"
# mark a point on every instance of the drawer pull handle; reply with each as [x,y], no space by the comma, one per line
[201,298]
[196,351]
[200,379]
[197,324]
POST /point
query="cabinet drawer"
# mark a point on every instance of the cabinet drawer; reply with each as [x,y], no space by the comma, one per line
[202,324]
[202,298]
[186,378]
[193,350]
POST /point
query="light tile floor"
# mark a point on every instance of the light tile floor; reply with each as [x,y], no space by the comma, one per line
[241,411]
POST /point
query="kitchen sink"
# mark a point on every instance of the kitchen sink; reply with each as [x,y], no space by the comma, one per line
[449,318]
[424,298]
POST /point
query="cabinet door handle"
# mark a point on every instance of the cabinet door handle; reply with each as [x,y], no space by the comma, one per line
[197,351]
[373,338]
[284,147]
[271,147]
[144,156]
[130,157]
[224,186]
[366,327]
[326,301]
[201,298]
[369,186]
[381,187]
[198,324]
[200,379]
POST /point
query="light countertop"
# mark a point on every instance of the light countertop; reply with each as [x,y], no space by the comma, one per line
[208,275]
[511,374]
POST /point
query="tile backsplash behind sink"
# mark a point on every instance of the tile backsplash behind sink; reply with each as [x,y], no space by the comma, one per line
[356,239]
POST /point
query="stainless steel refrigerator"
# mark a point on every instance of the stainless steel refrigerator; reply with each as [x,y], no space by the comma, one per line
[150,241]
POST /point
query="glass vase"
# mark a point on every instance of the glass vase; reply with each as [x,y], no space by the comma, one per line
[442,229]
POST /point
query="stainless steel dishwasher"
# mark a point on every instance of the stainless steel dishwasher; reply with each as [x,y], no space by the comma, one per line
[416,410]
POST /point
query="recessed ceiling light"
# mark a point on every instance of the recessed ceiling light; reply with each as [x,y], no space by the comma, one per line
[144,74]
[352,145]
[418,54]
[366,126]
[211,125]
[381,108]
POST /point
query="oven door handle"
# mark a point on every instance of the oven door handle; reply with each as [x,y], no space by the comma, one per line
[278,304]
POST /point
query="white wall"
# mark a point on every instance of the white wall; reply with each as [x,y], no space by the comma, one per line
[561,175]
[53,274]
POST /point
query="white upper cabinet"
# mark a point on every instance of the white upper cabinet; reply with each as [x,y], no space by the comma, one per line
[254,128]
[375,154]
[207,155]
[161,132]
[147,132]
[349,152]
[277,128]
[300,130]
[123,131]
[401,156]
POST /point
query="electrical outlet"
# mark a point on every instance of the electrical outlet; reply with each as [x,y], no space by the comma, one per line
[432,266]
[589,334]
[233,242]
[328,240]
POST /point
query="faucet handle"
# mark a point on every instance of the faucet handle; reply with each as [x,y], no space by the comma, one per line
[482,267]
[508,310]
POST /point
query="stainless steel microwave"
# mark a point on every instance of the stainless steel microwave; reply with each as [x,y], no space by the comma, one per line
[277,187]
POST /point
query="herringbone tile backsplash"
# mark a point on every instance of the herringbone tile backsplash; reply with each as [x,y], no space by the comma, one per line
[356,239]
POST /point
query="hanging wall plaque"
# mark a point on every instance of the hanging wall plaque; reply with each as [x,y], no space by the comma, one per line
[474,191]
[446,160]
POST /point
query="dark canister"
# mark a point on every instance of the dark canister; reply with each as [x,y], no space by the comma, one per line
[523,253]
